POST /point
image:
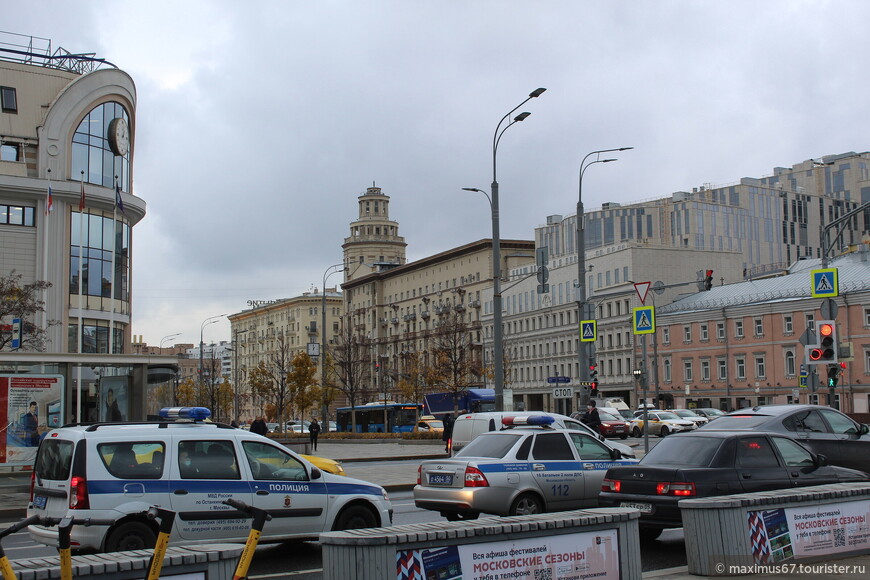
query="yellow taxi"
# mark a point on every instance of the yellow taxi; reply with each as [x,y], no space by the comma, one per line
[429,424]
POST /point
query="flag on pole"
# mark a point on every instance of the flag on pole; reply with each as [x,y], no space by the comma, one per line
[118,202]
[49,202]
[82,199]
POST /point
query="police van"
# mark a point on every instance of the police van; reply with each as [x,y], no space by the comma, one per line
[118,470]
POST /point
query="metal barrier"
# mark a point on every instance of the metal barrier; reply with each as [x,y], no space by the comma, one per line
[214,562]
[728,533]
[601,542]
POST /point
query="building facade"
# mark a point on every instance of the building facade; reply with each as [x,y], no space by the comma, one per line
[374,242]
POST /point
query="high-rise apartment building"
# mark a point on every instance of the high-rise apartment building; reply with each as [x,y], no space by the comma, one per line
[374,242]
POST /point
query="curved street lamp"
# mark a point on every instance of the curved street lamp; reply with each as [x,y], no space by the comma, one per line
[168,337]
[587,349]
[324,410]
[207,321]
[498,343]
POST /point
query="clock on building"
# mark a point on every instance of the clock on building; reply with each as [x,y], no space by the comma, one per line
[119,136]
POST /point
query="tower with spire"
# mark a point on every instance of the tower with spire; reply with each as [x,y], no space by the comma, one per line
[374,243]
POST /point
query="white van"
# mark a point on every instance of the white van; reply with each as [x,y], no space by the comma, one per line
[116,471]
[467,427]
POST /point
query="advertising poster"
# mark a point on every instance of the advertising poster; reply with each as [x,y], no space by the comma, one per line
[30,406]
[809,531]
[113,399]
[566,557]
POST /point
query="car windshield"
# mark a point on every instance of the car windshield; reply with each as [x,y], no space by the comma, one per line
[668,415]
[713,412]
[729,422]
[683,451]
[492,446]
[686,413]
[605,416]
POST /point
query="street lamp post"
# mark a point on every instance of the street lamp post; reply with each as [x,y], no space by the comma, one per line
[640,376]
[498,344]
[207,321]
[324,407]
[586,351]
[236,409]
[168,337]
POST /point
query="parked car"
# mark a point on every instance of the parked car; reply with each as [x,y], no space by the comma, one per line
[689,414]
[661,423]
[468,426]
[118,471]
[709,412]
[325,464]
[822,429]
[613,425]
[429,424]
[707,463]
[517,471]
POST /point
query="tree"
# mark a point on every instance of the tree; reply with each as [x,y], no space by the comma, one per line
[412,382]
[211,384]
[224,399]
[452,362]
[351,364]
[302,382]
[186,393]
[269,378]
[22,301]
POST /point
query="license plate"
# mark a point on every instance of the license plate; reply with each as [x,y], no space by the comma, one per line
[39,502]
[645,508]
[619,429]
[440,479]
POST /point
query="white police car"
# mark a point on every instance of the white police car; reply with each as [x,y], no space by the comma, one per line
[118,470]
[518,471]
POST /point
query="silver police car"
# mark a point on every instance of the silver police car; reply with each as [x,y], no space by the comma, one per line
[518,471]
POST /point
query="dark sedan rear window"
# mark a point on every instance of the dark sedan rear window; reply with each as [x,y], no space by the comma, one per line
[494,447]
[729,422]
[683,451]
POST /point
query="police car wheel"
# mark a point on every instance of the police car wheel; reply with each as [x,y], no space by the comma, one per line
[131,536]
[526,504]
[355,517]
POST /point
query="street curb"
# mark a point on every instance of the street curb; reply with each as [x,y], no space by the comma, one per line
[402,458]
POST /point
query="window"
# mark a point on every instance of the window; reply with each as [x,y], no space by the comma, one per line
[722,364]
[271,463]
[96,235]
[705,335]
[588,448]
[759,367]
[667,369]
[755,452]
[687,333]
[666,335]
[8,100]
[740,367]
[720,330]
[552,446]
[705,370]
[759,327]
[141,460]
[91,152]
[839,423]
[17,215]
[207,460]
[8,151]
[687,370]
[789,363]
[793,454]
[738,329]
[788,323]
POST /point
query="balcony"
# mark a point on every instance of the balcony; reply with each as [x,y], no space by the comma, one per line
[394,321]
[424,315]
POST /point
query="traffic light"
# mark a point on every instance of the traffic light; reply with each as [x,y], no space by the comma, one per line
[833,375]
[708,280]
[593,378]
[825,351]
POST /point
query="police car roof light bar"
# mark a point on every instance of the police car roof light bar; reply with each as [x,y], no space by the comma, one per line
[190,413]
[541,420]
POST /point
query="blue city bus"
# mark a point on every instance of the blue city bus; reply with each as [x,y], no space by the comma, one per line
[401,417]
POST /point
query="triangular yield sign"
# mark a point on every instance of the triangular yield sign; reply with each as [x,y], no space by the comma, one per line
[642,288]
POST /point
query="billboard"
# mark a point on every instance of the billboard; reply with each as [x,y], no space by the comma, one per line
[30,406]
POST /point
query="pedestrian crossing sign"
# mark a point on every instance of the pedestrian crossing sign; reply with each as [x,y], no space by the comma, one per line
[644,320]
[588,331]
[825,283]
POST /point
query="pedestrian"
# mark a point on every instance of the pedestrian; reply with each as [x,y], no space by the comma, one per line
[234,424]
[447,433]
[313,432]
[591,418]
[259,426]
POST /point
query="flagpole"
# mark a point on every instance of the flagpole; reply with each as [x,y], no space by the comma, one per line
[112,282]
[81,299]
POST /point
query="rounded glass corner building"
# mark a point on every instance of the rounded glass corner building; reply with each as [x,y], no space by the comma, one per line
[67,213]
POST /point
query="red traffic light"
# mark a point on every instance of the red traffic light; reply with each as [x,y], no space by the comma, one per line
[826,329]
[816,354]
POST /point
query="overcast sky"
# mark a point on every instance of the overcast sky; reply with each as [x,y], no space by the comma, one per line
[259,123]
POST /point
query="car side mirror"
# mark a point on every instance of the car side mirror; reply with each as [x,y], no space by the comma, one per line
[316,473]
[615,454]
[821,461]
[863,429]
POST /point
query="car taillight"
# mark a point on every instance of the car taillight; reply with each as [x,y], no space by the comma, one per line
[78,494]
[419,475]
[475,478]
[682,489]
[32,483]
[612,485]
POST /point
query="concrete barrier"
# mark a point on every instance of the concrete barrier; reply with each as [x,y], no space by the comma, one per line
[572,544]
[732,533]
[212,562]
